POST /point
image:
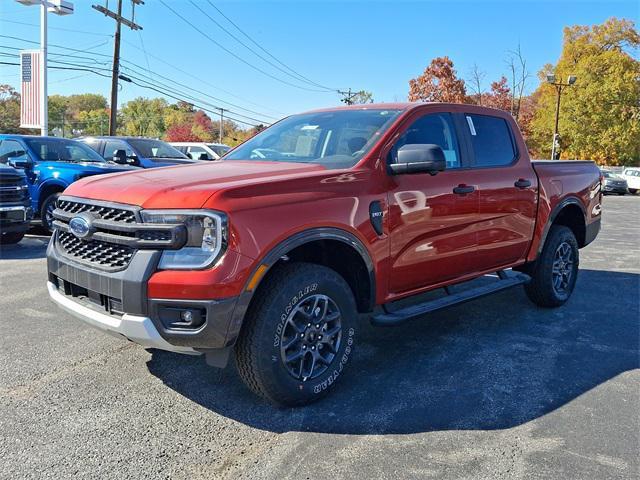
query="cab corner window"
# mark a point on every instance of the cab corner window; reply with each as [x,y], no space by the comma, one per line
[492,141]
[435,128]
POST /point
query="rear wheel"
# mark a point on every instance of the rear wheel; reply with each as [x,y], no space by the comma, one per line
[46,211]
[298,336]
[10,238]
[554,275]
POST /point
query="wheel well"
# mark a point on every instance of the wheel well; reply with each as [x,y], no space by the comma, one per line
[46,191]
[342,258]
[571,216]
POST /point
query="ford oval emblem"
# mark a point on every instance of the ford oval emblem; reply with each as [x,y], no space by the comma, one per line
[80,227]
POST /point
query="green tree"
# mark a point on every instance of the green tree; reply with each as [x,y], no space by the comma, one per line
[93,122]
[143,117]
[9,110]
[600,114]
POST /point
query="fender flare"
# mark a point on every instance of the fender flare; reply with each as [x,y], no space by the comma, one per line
[46,185]
[281,249]
[554,214]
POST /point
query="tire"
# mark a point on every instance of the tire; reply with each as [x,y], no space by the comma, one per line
[633,191]
[621,194]
[279,317]
[554,274]
[11,238]
[47,208]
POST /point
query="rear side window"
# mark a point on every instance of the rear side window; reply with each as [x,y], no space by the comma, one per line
[491,139]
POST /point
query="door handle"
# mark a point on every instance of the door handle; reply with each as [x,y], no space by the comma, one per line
[463,189]
[522,183]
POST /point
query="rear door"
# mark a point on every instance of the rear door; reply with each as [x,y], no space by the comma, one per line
[507,187]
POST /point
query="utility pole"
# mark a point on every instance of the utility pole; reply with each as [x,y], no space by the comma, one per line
[221,122]
[347,96]
[115,73]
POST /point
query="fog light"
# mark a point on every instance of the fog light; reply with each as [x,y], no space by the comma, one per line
[182,317]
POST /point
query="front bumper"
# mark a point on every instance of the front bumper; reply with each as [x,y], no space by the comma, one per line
[140,330]
[614,189]
[15,218]
[117,302]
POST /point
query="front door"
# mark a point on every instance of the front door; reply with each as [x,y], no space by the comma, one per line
[431,218]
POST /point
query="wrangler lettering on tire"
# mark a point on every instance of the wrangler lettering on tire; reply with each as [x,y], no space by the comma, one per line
[299,334]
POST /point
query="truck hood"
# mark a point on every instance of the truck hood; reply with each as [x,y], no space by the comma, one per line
[85,168]
[185,186]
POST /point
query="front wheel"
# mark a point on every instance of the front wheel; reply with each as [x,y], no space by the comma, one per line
[46,211]
[298,336]
[554,275]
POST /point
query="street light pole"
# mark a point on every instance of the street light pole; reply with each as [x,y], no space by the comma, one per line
[555,146]
[59,7]
[44,108]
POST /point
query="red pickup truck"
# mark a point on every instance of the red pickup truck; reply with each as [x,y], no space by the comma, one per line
[274,253]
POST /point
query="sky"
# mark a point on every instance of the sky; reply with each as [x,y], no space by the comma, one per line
[376,46]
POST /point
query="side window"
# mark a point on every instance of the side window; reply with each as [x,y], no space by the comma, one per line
[111,146]
[436,128]
[11,149]
[491,139]
[196,152]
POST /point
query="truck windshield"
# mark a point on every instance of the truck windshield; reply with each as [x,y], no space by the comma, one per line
[149,148]
[334,139]
[51,149]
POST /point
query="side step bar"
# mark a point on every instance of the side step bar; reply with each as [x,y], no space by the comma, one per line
[506,280]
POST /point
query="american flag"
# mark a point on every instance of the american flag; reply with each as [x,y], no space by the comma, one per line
[30,92]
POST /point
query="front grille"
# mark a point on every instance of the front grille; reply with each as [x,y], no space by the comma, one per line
[12,189]
[104,212]
[106,255]
[115,233]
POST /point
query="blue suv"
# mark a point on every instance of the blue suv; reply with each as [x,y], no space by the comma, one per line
[138,151]
[51,164]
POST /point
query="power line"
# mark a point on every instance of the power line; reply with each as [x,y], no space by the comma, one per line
[148,86]
[264,50]
[178,69]
[258,69]
[293,75]
[132,63]
[56,28]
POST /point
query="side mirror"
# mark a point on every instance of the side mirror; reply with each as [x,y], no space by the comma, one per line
[120,156]
[419,158]
[23,162]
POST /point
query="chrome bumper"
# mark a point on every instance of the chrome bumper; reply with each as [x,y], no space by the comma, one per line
[138,329]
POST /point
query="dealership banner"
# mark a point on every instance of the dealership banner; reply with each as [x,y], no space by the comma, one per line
[30,89]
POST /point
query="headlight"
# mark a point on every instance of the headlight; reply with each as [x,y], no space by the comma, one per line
[206,237]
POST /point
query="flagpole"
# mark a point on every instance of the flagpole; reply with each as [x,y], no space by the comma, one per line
[44,111]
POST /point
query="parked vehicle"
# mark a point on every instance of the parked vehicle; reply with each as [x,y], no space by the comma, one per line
[137,151]
[355,208]
[632,177]
[201,150]
[51,164]
[15,205]
[614,183]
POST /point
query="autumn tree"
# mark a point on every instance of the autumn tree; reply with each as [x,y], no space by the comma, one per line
[438,83]
[600,114]
[499,95]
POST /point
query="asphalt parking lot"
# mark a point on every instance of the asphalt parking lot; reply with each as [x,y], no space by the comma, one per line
[496,388]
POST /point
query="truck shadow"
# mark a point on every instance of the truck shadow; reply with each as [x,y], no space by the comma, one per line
[30,247]
[490,364]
